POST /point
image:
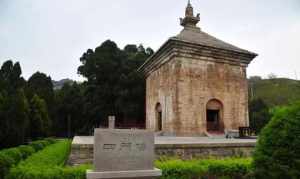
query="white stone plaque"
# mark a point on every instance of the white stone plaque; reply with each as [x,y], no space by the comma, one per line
[123,150]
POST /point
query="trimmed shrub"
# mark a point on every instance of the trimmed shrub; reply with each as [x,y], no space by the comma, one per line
[5,162]
[181,169]
[78,172]
[46,163]
[39,144]
[221,168]
[57,172]
[8,158]
[49,163]
[277,154]
[12,156]
[51,140]
[231,168]
[14,153]
[26,151]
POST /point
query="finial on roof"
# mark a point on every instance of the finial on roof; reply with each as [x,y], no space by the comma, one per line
[189,11]
[189,20]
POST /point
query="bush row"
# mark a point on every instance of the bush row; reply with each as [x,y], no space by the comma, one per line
[54,172]
[12,156]
[48,163]
[206,168]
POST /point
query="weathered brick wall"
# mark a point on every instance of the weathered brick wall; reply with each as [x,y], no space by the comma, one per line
[161,88]
[184,85]
[81,154]
[188,152]
[200,81]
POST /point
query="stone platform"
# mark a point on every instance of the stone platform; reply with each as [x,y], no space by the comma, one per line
[182,147]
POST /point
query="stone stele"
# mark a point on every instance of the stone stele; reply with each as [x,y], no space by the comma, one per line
[123,154]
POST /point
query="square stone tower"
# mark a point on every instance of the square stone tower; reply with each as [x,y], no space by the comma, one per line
[196,84]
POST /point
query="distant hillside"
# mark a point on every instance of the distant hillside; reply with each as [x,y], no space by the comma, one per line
[277,91]
[59,84]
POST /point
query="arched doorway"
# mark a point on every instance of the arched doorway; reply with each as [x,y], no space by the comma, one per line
[158,115]
[214,116]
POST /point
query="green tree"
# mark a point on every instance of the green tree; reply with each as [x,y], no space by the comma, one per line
[10,77]
[70,120]
[40,123]
[259,114]
[41,85]
[15,111]
[102,68]
[13,106]
[277,152]
[113,86]
[131,49]
[3,121]
[133,86]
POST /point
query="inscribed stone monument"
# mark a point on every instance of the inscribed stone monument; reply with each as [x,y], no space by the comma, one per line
[123,154]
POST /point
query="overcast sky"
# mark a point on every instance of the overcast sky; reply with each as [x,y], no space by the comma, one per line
[51,35]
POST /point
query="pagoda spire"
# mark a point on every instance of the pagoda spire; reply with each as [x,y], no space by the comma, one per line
[189,20]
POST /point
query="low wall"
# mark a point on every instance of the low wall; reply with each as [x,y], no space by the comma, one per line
[81,154]
[184,148]
[190,151]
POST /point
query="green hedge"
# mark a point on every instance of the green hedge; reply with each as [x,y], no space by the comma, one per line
[53,172]
[206,168]
[228,168]
[40,144]
[48,163]
[12,156]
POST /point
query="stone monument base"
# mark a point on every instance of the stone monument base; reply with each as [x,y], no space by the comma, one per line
[133,174]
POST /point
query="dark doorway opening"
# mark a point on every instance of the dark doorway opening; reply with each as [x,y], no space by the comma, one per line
[159,121]
[213,120]
[158,110]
